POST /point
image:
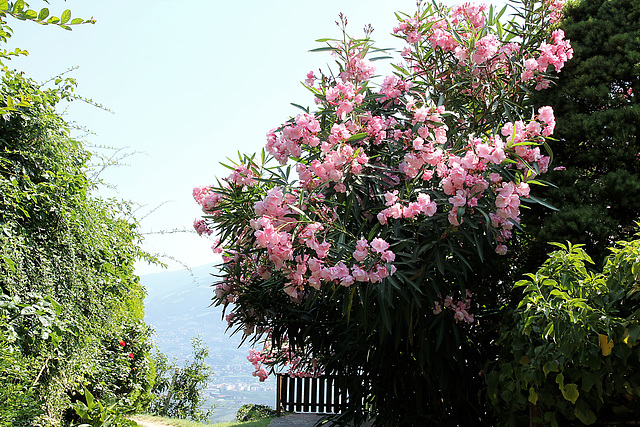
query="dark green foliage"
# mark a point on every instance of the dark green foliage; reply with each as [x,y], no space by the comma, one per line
[125,372]
[93,412]
[18,405]
[66,269]
[178,390]
[252,412]
[598,122]
[67,285]
[571,346]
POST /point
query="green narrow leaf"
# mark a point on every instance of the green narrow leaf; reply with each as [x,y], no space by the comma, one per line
[44,13]
[66,15]
[357,137]
[323,49]
[306,110]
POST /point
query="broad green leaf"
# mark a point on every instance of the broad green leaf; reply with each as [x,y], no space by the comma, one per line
[53,20]
[550,417]
[9,262]
[18,6]
[560,379]
[570,392]
[76,21]
[587,417]
[44,13]
[30,14]
[89,398]
[551,366]
[4,5]
[533,396]
[631,335]
[66,15]
[588,380]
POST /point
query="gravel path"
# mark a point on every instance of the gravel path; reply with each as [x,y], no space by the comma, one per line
[296,420]
[300,420]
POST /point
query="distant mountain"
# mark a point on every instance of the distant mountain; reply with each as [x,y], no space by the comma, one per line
[178,307]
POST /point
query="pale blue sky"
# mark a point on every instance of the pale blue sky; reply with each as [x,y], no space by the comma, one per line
[190,83]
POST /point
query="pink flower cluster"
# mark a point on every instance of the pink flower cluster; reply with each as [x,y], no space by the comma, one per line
[201,227]
[370,267]
[459,32]
[393,87]
[555,53]
[289,142]
[357,67]
[256,359]
[207,198]
[423,205]
[461,308]
[243,175]
[295,365]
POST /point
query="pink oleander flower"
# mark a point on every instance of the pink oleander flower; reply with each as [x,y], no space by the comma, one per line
[391,197]
[310,80]
[359,274]
[361,251]
[436,308]
[379,245]
[261,373]
[199,193]
[201,227]
[486,48]
[388,256]
[216,248]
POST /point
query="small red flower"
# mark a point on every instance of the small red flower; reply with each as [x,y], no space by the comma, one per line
[131,355]
[122,343]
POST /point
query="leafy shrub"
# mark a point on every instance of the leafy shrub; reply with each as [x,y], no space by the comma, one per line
[95,413]
[67,280]
[18,403]
[376,259]
[124,369]
[571,347]
[178,391]
[251,412]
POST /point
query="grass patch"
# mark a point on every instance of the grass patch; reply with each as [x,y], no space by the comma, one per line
[186,423]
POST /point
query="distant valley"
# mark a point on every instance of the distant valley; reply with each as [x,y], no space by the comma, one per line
[177,306]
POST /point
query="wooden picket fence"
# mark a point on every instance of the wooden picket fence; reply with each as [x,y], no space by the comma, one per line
[319,395]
